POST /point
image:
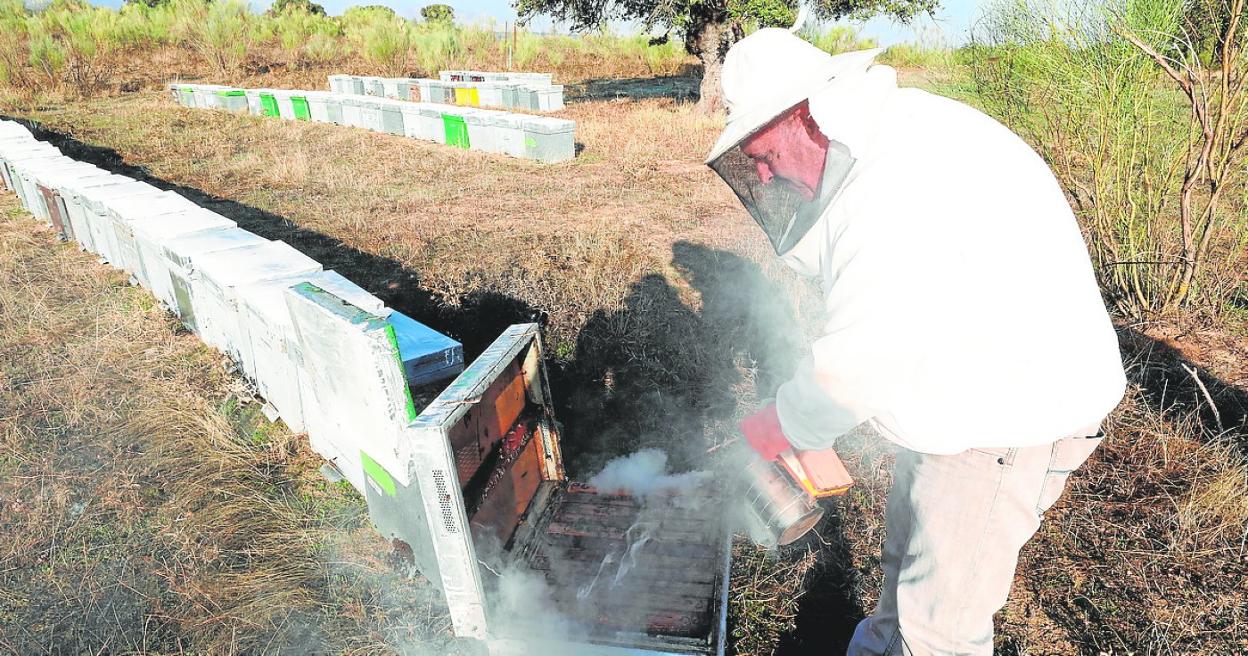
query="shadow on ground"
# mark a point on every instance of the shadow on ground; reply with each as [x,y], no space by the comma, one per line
[683,88]
[1172,384]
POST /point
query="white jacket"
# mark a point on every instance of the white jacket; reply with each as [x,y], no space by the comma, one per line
[961,303]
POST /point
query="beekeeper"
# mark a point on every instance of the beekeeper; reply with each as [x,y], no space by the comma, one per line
[964,322]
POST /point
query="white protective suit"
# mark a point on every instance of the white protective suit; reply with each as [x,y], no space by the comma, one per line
[962,310]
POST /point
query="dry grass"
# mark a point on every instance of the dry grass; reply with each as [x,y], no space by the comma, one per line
[144,509]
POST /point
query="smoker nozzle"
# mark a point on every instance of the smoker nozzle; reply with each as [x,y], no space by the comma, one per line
[773,502]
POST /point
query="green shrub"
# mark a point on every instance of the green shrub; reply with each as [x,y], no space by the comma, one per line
[295,30]
[837,39]
[437,47]
[47,57]
[225,34]
[322,49]
[385,42]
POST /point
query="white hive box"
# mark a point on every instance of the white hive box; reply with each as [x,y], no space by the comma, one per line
[481,133]
[76,206]
[125,211]
[489,94]
[412,121]
[24,153]
[318,107]
[358,400]
[271,356]
[431,127]
[96,212]
[217,277]
[153,233]
[285,108]
[422,88]
[177,257]
[23,169]
[550,99]
[52,183]
[374,86]
[548,139]
[9,142]
[351,114]
[254,106]
[510,133]
[390,88]
[40,195]
[370,114]
[50,180]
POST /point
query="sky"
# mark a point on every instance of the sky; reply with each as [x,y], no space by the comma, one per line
[950,27]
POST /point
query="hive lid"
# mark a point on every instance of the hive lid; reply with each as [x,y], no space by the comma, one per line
[545,125]
[95,196]
[76,187]
[185,247]
[163,227]
[133,207]
[58,176]
[418,342]
[268,298]
[272,260]
[27,149]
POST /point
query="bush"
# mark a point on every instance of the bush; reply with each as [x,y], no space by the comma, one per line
[1085,85]
[837,39]
[225,34]
[437,47]
[295,30]
[384,41]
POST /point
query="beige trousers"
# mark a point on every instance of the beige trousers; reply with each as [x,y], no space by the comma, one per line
[955,525]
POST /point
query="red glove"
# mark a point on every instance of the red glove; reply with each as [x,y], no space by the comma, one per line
[762,431]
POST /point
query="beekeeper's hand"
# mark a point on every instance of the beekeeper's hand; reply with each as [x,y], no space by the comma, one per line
[762,431]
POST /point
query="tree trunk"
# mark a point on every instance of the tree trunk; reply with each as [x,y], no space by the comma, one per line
[710,45]
[710,94]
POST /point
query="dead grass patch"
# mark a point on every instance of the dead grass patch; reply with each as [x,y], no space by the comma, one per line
[143,507]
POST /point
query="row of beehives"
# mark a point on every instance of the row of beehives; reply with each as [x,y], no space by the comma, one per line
[301,334]
[508,94]
[542,138]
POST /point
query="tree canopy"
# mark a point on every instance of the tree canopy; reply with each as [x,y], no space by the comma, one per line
[438,14]
[710,27]
[306,6]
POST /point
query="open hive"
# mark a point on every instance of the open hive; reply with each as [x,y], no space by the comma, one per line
[488,495]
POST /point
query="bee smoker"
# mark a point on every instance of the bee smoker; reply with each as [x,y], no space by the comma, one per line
[780,499]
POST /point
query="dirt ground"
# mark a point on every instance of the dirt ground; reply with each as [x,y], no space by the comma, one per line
[666,319]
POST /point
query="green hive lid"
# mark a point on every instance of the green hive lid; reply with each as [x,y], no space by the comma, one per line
[230,92]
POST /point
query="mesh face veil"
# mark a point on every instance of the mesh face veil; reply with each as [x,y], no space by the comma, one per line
[779,207]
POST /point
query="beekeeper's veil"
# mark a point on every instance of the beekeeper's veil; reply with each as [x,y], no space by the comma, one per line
[764,75]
